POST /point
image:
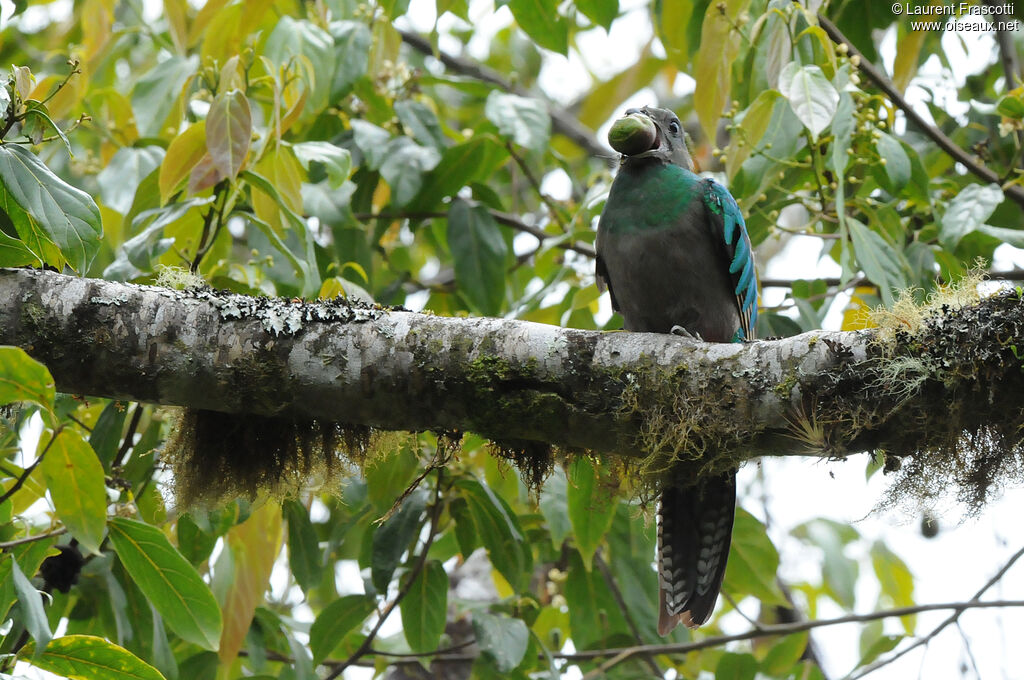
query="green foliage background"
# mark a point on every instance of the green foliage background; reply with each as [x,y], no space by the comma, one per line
[309,149]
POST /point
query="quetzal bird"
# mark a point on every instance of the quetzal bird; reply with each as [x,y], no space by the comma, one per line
[673,250]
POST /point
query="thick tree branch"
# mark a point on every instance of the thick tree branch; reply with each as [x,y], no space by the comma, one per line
[1012,191]
[715,405]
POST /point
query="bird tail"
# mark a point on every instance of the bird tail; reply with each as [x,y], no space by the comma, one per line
[694,532]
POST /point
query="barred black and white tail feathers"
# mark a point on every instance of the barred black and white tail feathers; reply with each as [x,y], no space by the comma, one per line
[694,533]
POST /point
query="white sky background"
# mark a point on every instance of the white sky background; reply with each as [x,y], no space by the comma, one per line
[950,567]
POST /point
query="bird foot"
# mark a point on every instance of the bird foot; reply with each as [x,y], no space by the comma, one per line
[683,333]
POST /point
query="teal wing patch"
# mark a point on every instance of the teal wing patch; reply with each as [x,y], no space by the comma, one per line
[726,214]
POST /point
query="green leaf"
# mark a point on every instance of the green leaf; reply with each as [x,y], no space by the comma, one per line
[591,506]
[336,161]
[312,49]
[22,378]
[459,165]
[879,260]
[502,638]
[498,530]
[68,215]
[883,644]
[121,178]
[479,251]
[522,119]
[594,616]
[392,539]
[554,505]
[106,433]
[421,122]
[156,92]
[753,561]
[304,554]
[678,25]
[784,654]
[31,608]
[842,131]
[736,667]
[372,141]
[465,527]
[839,572]
[812,97]
[425,608]
[74,476]
[335,621]
[163,655]
[14,253]
[29,556]
[194,544]
[967,211]
[540,20]
[85,657]
[351,55]
[601,12]
[897,162]
[895,580]
[228,132]
[168,581]
[403,167]
[37,121]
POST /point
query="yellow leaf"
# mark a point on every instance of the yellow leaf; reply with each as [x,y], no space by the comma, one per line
[206,15]
[908,49]
[254,545]
[175,11]
[74,476]
[282,169]
[856,315]
[718,50]
[753,124]
[223,38]
[96,19]
[183,154]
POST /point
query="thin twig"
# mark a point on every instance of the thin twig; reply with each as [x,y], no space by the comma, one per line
[535,183]
[32,539]
[421,560]
[28,471]
[562,121]
[1012,191]
[126,445]
[505,218]
[953,618]
[780,629]
[206,239]
[1007,52]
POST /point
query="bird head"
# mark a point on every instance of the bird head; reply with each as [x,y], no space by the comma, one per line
[650,132]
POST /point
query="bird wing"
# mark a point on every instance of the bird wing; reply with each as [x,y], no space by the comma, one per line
[726,218]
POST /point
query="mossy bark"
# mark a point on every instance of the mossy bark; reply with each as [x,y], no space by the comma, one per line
[659,397]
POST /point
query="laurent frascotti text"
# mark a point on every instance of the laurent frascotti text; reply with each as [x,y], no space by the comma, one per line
[959,8]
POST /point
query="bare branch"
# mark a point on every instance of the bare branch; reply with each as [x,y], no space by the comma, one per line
[953,618]
[562,121]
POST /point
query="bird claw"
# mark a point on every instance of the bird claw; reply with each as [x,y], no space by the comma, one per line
[683,333]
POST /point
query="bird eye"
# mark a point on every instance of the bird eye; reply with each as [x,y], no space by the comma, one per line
[673,127]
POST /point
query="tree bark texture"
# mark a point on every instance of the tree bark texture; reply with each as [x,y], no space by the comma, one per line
[819,393]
